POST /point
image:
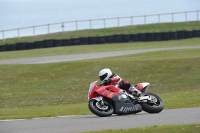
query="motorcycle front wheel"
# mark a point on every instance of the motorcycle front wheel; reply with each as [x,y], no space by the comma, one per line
[154,106]
[100,110]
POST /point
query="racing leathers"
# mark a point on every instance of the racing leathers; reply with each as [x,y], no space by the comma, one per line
[122,84]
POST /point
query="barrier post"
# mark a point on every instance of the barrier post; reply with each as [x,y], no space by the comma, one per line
[118,22]
[18,34]
[76,25]
[48,29]
[63,26]
[90,24]
[34,32]
[185,16]
[104,23]
[131,20]
[3,36]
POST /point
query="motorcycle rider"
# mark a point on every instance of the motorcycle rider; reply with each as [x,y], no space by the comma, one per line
[108,78]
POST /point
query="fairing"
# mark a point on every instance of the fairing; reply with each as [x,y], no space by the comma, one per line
[105,91]
[122,103]
[142,86]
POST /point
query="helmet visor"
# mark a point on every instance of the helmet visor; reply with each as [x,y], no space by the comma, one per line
[102,77]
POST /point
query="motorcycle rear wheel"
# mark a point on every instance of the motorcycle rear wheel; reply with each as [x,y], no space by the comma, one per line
[102,111]
[153,107]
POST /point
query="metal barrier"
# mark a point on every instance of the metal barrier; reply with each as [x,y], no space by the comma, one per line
[62,27]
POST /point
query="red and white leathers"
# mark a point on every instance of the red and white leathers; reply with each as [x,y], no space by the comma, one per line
[114,80]
[122,84]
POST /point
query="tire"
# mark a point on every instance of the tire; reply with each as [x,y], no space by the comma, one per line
[93,106]
[152,108]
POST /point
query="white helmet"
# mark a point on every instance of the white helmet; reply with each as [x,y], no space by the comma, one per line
[105,74]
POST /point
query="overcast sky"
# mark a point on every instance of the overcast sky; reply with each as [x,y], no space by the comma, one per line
[23,13]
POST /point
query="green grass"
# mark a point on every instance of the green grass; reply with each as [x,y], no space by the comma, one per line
[61,88]
[96,48]
[44,111]
[110,31]
[191,128]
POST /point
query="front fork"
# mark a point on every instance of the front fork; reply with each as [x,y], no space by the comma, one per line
[99,99]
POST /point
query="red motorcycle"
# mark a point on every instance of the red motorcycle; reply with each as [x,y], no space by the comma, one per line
[107,100]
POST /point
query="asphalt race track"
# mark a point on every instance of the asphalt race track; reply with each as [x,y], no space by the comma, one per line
[68,124]
[76,57]
[91,122]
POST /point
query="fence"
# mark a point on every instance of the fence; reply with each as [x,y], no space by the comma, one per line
[99,23]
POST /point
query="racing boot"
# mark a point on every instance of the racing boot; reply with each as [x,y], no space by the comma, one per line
[135,91]
[139,95]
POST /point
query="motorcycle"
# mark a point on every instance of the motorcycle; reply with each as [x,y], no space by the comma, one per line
[104,101]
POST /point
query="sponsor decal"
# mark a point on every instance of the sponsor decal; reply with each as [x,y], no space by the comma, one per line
[105,92]
[128,109]
[119,97]
[111,94]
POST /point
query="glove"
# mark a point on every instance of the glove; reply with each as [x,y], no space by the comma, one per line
[107,81]
[126,83]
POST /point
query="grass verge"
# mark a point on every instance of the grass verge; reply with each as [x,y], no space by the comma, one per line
[55,89]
